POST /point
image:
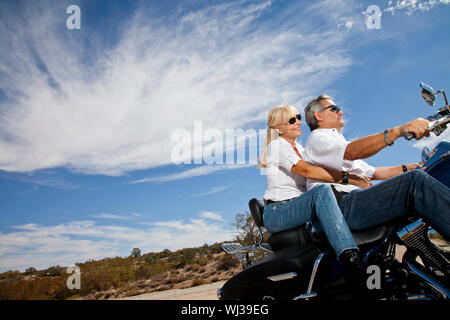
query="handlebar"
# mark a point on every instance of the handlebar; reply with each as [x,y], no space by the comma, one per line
[409,135]
[437,125]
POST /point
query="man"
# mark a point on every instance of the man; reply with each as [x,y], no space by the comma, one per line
[322,114]
[404,191]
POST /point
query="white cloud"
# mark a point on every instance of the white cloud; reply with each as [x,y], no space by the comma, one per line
[113,216]
[411,6]
[349,24]
[78,241]
[211,215]
[432,141]
[115,111]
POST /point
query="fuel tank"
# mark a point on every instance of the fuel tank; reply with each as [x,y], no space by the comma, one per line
[438,163]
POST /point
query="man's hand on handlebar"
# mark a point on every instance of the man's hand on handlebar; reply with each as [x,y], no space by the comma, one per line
[418,127]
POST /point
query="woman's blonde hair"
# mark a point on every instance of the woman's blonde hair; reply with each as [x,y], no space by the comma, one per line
[277,115]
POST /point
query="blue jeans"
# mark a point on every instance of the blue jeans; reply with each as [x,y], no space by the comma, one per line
[414,192]
[319,203]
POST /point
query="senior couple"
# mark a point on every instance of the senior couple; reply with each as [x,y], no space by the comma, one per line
[328,181]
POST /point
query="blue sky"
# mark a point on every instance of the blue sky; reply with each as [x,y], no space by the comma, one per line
[89,117]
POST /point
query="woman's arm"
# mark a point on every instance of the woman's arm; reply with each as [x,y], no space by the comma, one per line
[382,173]
[308,171]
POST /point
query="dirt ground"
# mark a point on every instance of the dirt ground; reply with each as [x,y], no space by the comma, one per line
[202,292]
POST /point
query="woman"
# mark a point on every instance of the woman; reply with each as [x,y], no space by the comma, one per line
[288,205]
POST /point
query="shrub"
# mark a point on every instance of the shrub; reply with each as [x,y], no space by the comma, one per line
[197,282]
[227,262]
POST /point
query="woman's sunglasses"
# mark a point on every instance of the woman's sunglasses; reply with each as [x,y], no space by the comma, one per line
[294,119]
[333,108]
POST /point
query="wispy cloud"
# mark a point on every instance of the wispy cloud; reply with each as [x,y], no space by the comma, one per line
[78,241]
[211,215]
[47,178]
[115,216]
[213,190]
[190,173]
[109,114]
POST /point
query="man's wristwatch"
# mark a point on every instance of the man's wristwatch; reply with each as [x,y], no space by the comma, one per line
[345,178]
[386,138]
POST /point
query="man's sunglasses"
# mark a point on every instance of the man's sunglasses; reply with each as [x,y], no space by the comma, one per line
[333,108]
[294,119]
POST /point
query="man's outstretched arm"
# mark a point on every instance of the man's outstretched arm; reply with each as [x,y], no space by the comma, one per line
[368,146]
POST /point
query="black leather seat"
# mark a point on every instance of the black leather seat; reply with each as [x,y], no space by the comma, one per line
[307,232]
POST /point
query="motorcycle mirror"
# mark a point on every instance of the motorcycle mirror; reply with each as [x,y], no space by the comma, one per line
[427,93]
[425,154]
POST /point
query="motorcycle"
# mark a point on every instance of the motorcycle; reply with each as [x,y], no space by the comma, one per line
[299,263]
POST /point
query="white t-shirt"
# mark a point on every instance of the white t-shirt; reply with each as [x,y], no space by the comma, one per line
[282,184]
[326,148]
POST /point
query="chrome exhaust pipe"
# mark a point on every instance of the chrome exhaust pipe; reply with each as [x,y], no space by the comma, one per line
[428,281]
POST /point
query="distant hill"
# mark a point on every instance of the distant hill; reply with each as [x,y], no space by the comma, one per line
[120,277]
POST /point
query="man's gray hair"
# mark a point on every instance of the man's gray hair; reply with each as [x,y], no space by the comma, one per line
[311,108]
